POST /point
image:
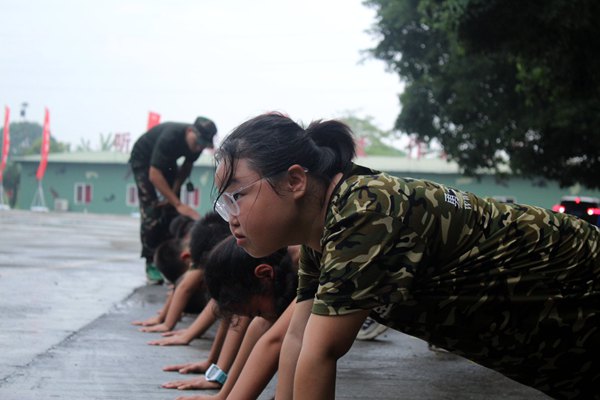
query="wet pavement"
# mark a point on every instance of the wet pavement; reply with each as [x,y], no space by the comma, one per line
[70,284]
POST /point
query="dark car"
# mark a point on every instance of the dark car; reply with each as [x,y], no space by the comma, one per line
[586,208]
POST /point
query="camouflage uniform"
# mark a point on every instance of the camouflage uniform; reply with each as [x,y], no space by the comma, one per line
[512,287]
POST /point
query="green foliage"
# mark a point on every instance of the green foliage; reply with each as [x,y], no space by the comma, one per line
[499,82]
[369,135]
[11,179]
[55,146]
[26,138]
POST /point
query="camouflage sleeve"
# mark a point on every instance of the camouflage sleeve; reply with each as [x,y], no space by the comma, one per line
[368,261]
[308,274]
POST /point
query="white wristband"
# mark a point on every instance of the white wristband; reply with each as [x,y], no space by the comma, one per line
[215,374]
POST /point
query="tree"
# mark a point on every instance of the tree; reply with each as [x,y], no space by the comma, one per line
[26,138]
[371,136]
[11,180]
[499,83]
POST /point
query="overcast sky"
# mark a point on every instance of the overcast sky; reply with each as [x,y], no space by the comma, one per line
[101,66]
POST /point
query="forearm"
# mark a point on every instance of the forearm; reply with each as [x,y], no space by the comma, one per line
[261,365]
[233,340]
[217,345]
[162,315]
[256,329]
[203,321]
[179,300]
[290,350]
[315,376]
[326,339]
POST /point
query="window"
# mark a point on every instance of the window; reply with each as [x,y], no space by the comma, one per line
[131,196]
[83,193]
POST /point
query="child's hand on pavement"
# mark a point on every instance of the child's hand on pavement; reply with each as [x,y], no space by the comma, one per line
[175,340]
[148,322]
[197,383]
[198,367]
[156,328]
[173,333]
[200,397]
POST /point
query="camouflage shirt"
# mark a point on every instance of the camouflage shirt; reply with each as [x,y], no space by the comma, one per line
[512,287]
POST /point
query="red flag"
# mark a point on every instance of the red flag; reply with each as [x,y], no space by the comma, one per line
[45,147]
[153,119]
[5,141]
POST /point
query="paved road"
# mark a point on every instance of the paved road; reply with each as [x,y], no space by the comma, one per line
[70,284]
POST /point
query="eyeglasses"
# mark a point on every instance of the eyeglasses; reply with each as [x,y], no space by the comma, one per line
[226,205]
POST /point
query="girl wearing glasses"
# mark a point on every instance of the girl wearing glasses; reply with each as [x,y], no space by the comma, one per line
[512,287]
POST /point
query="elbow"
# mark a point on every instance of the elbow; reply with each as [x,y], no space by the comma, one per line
[274,342]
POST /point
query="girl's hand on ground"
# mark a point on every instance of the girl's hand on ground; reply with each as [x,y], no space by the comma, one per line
[177,340]
[175,367]
[156,328]
[198,367]
[199,397]
[173,333]
[190,384]
[148,322]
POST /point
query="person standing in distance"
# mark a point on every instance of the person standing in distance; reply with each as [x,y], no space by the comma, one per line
[158,178]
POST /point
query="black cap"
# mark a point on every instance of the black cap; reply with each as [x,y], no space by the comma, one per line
[206,129]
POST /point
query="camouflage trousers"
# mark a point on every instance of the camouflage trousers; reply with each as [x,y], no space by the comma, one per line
[156,216]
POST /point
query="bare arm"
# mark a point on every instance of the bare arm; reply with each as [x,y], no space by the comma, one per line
[192,280]
[160,183]
[201,366]
[262,361]
[157,319]
[203,321]
[326,339]
[290,350]
[259,353]
[221,336]
[231,345]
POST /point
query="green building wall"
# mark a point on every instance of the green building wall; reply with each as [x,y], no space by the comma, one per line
[109,182]
[110,176]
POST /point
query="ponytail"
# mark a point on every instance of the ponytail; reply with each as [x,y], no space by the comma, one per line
[336,144]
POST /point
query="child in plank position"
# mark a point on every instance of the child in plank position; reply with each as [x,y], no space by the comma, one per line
[513,287]
[263,289]
[204,235]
